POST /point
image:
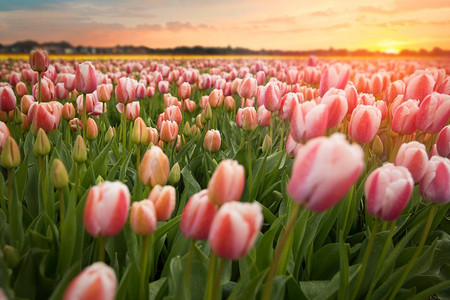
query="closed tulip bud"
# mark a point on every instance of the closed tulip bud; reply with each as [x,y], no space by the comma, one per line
[154,167]
[187,129]
[68,111]
[21,89]
[139,135]
[7,99]
[443,142]
[263,116]
[324,169]
[388,190]
[143,217]
[229,103]
[200,121]
[11,257]
[79,153]
[110,134]
[435,183]
[103,93]
[235,228]
[377,146]
[413,156]
[106,208]
[153,136]
[39,60]
[309,120]
[212,140]
[267,143]
[227,183]
[10,157]
[197,216]
[364,123]
[17,116]
[98,281]
[85,78]
[163,197]
[42,144]
[4,133]
[175,174]
[91,129]
[434,113]
[207,113]
[58,174]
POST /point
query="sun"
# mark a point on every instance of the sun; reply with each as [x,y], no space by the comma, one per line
[392,51]
[390,46]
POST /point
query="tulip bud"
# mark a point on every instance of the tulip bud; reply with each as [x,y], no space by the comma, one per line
[91,129]
[187,129]
[174,174]
[207,113]
[154,167]
[39,60]
[163,197]
[377,145]
[68,111]
[229,103]
[267,143]
[139,135]
[197,216]
[212,140]
[59,177]
[79,153]
[18,116]
[42,145]
[227,183]
[110,134]
[143,217]
[11,256]
[98,281]
[11,154]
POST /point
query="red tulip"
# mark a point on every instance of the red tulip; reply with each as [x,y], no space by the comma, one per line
[184,90]
[324,169]
[197,216]
[287,106]
[163,86]
[60,91]
[235,228]
[98,281]
[47,90]
[69,81]
[21,89]
[215,98]
[106,208]
[388,190]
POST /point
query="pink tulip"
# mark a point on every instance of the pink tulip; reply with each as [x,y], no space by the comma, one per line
[140,91]
[169,131]
[125,90]
[263,116]
[25,103]
[103,93]
[150,91]
[445,87]
[260,77]
[69,81]
[388,190]
[45,115]
[435,183]
[235,228]
[287,106]
[336,102]
[39,60]
[352,98]
[227,182]
[335,76]
[404,118]
[163,86]
[309,120]
[364,123]
[414,157]
[197,216]
[85,78]
[324,169]
[419,87]
[247,88]
[272,97]
[246,118]
[382,106]
[395,88]
[61,92]
[434,113]
[4,134]
[184,91]
[98,281]
[47,90]
[106,208]
[163,197]
[7,99]
[173,113]
[21,89]
[154,168]
[443,142]
[215,98]
[68,111]
[133,110]
[376,84]
[212,140]
[292,146]
[143,217]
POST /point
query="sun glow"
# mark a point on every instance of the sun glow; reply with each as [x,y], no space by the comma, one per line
[390,47]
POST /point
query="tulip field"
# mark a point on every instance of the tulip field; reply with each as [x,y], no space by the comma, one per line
[224,178]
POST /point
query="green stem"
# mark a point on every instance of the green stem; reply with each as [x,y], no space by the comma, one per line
[380,261]
[77,182]
[101,248]
[10,190]
[250,178]
[365,259]
[146,242]
[282,136]
[39,87]
[61,207]
[124,128]
[69,140]
[189,263]
[84,116]
[138,156]
[279,250]
[417,253]
[216,287]
[210,278]
[47,207]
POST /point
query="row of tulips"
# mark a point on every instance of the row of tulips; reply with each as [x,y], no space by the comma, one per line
[307,180]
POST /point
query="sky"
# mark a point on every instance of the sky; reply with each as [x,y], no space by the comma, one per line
[384,25]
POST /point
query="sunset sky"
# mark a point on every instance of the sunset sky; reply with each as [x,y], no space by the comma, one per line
[385,25]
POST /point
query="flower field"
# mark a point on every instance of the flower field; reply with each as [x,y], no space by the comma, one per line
[224,177]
